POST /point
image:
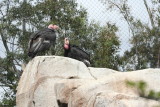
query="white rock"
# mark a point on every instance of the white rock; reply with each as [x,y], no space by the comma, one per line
[54,81]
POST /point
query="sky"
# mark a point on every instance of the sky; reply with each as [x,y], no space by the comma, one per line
[98,12]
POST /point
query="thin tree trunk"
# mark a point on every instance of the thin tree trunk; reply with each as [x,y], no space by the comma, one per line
[126,17]
[149,13]
[24,21]
[158,62]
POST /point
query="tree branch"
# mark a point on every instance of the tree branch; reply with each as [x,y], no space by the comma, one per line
[10,42]
[125,16]
[4,40]
[7,93]
[149,13]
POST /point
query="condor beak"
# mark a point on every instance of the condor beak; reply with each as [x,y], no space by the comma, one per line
[66,41]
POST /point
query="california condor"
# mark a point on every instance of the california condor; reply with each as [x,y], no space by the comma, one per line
[42,40]
[76,52]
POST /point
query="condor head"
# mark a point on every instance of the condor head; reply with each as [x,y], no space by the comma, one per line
[66,44]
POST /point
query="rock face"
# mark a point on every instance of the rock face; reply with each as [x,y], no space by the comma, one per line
[54,81]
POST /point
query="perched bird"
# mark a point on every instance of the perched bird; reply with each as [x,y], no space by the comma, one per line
[42,40]
[76,52]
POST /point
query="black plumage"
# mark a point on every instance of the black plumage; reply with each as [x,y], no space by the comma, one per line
[42,40]
[76,52]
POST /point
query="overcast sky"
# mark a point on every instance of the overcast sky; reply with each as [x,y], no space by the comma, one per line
[98,12]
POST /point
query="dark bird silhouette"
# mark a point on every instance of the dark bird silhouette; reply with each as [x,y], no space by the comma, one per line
[42,40]
[76,52]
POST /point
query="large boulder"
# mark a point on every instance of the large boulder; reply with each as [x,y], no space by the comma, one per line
[54,81]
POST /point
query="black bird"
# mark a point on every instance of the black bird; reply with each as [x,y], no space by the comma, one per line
[42,40]
[76,52]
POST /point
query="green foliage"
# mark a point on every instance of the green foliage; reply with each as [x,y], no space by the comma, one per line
[141,87]
[106,47]
[9,100]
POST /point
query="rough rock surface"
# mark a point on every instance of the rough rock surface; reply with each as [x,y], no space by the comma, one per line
[54,81]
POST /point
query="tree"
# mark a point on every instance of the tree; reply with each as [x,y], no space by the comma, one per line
[145,38]
[9,71]
[106,47]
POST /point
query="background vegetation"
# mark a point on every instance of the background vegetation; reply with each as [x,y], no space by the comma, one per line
[141,88]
